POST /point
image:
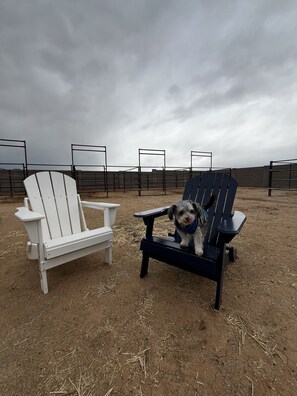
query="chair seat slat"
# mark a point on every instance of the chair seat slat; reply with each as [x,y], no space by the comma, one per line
[71,243]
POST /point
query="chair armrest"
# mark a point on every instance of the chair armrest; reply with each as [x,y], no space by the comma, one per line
[148,217]
[157,212]
[99,205]
[32,222]
[26,215]
[233,225]
[110,210]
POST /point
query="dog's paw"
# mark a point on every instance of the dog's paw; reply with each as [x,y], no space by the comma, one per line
[184,244]
[199,252]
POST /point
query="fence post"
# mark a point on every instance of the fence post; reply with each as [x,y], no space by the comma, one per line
[270,179]
[124,181]
[10,183]
[139,181]
[105,178]
[114,181]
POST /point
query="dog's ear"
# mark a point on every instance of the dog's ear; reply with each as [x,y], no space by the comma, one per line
[171,212]
[197,208]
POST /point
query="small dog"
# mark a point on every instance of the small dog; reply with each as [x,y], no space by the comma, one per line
[190,221]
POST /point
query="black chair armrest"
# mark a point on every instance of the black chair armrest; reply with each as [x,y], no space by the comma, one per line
[233,225]
[157,212]
[148,217]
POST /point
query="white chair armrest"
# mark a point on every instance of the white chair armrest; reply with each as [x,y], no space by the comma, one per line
[32,223]
[110,210]
[25,215]
[99,205]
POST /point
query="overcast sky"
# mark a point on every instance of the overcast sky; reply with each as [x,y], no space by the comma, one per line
[216,75]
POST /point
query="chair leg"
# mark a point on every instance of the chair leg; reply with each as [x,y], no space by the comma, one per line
[43,281]
[220,278]
[108,255]
[232,254]
[144,265]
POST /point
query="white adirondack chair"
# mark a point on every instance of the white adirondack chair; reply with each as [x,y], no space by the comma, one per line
[54,219]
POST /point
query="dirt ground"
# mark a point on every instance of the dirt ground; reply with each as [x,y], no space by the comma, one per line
[101,330]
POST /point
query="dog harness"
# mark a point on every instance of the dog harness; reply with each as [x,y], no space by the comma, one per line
[198,222]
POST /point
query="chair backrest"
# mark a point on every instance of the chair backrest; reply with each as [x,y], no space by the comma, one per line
[55,195]
[199,189]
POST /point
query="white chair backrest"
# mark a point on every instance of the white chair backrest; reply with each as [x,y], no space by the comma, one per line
[54,194]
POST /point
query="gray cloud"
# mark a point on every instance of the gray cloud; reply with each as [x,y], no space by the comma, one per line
[172,75]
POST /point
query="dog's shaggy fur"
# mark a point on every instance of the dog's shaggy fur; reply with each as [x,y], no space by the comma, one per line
[191,222]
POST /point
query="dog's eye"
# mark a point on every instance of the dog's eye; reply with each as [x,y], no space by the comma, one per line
[192,211]
[181,212]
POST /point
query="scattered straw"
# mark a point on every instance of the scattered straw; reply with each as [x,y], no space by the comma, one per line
[86,295]
[280,354]
[45,381]
[140,357]
[20,342]
[182,363]
[67,354]
[110,382]
[252,385]
[106,287]
[77,388]
[198,382]
[234,321]
[109,392]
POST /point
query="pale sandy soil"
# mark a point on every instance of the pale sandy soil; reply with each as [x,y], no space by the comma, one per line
[102,330]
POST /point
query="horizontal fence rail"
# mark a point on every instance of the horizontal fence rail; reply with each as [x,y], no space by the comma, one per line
[145,181]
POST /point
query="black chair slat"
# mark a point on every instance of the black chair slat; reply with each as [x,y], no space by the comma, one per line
[201,189]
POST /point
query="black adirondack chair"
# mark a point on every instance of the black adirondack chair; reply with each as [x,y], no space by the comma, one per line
[224,225]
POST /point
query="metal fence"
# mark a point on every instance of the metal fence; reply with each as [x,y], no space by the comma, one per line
[282,175]
[147,182]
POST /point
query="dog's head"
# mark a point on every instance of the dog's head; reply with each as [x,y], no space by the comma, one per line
[184,212]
